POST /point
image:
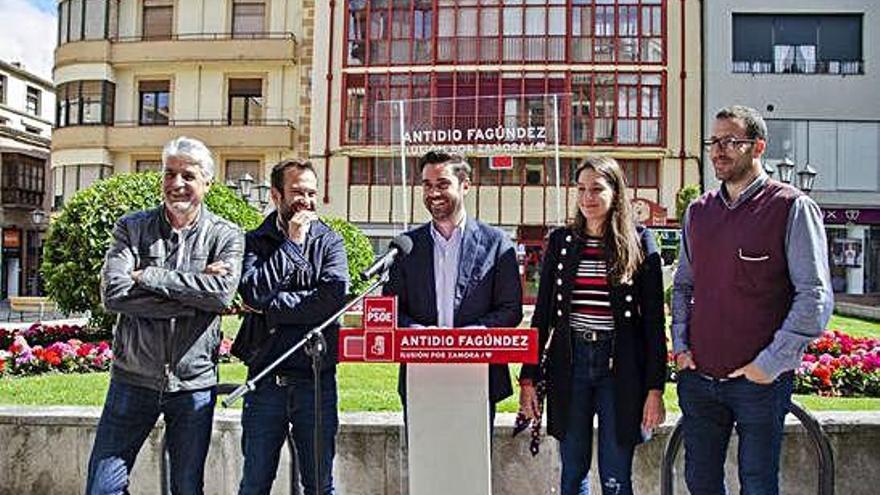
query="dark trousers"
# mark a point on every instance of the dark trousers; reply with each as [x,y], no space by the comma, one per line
[128,417]
[593,395]
[268,413]
[711,409]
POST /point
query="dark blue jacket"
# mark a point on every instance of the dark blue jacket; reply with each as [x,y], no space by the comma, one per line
[639,323]
[488,291]
[295,288]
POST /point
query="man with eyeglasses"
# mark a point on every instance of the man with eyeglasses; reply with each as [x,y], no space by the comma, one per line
[751,291]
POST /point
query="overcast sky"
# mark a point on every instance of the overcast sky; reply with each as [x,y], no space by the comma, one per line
[27,34]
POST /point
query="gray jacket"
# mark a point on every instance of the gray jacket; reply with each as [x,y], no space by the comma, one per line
[167,334]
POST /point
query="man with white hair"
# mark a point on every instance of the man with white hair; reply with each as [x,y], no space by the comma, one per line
[169,273]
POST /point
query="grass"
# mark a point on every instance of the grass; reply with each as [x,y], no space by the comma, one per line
[855,326]
[362,387]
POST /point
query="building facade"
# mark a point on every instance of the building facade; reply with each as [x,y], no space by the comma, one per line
[27,105]
[617,77]
[133,74]
[807,65]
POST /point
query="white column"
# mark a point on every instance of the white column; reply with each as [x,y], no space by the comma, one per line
[855,277]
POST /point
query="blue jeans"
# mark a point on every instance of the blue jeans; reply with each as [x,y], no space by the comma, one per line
[128,417]
[711,409]
[592,394]
[268,413]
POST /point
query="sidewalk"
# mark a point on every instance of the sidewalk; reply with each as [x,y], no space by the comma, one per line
[12,319]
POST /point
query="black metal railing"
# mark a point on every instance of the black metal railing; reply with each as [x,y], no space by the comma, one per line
[165,465]
[818,439]
[207,123]
[268,35]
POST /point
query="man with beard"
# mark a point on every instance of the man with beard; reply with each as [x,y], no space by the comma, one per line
[460,271]
[751,291]
[169,273]
[295,276]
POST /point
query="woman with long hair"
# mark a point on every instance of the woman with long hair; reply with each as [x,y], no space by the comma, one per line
[600,319]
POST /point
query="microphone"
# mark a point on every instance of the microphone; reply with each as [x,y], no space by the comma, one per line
[399,246]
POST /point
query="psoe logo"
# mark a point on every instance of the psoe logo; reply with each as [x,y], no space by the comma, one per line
[380,312]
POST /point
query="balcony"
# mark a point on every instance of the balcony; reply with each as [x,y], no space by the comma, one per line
[207,47]
[217,134]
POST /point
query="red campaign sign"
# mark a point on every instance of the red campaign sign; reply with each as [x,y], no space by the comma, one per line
[379,341]
[501,163]
[439,345]
[380,312]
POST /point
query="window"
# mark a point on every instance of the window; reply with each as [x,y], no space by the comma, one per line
[640,174]
[97,99]
[158,18]
[33,101]
[248,18]
[245,103]
[87,20]
[148,165]
[798,43]
[71,178]
[23,179]
[236,169]
[381,171]
[604,108]
[410,32]
[33,130]
[2,88]
[154,103]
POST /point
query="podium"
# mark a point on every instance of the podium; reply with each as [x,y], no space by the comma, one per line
[447,392]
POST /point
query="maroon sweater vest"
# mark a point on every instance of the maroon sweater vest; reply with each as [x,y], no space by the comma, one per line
[742,292]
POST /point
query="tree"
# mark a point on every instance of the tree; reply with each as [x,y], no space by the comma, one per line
[79,237]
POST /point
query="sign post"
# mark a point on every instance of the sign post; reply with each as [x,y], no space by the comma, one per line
[447,391]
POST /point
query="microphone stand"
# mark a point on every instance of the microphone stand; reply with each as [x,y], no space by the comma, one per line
[315,346]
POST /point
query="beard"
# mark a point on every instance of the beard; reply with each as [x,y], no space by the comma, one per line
[440,211]
[286,211]
[734,170]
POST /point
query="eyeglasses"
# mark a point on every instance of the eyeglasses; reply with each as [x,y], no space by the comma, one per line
[726,143]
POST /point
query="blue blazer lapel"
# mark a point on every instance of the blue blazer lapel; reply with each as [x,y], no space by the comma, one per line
[470,248]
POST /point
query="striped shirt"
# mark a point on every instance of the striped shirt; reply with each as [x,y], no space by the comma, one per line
[590,301]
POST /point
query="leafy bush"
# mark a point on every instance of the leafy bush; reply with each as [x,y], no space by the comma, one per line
[357,248]
[686,195]
[77,240]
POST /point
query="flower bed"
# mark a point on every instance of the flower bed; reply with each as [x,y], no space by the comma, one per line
[839,365]
[40,334]
[66,356]
[835,365]
[70,356]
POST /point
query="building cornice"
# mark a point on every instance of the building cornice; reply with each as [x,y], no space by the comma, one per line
[24,74]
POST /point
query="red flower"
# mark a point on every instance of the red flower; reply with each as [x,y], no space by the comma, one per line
[52,357]
[823,373]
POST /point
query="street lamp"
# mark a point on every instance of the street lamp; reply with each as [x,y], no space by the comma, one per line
[244,185]
[245,189]
[806,178]
[786,170]
[768,169]
[39,217]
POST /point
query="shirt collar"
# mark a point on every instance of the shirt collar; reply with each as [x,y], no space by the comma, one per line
[759,182]
[456,234]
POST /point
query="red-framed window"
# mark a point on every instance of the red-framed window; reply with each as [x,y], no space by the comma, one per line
[601,108]
[444,32]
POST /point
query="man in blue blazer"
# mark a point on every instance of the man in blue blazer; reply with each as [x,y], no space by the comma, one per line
[460,272]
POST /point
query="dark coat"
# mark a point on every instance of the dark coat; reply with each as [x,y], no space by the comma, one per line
[640,343]
[488,291]
[296,288]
